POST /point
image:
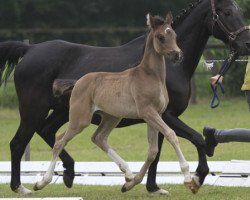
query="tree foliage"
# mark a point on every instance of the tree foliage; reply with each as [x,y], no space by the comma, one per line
[94,14]
[80,13]
[75,14]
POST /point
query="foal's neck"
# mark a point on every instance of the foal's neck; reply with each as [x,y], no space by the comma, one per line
[152,61]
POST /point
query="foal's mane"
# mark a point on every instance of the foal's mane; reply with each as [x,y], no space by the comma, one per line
[185,12]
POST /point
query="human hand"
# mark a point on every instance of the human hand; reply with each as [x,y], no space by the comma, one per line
[213,79]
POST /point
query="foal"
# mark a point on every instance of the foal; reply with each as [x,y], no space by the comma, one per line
[138,93]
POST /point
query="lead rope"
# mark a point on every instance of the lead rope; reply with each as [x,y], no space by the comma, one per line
[225,66]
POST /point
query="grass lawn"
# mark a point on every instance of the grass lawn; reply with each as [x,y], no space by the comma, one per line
[178,192]
[131,144]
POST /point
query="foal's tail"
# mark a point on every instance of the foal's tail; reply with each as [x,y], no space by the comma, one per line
[10,54]
[63,87]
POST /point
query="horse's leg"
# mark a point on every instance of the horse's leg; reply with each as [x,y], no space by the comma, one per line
[17,147]
[100,139]
[151,179]
[53,122]
[79,118]
[29,123]
[184,131]
[152,152]
[154,120]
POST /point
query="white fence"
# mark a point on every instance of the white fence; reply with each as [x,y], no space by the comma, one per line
[222,173]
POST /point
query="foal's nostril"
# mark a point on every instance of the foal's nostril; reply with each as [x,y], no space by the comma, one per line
[181,57]
[178,56]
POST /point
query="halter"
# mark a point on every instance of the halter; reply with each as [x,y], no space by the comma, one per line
[231,35]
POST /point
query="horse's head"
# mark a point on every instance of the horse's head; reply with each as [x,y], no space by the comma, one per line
[164,37]
[226,22]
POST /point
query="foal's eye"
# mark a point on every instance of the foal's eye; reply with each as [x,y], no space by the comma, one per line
[161,38]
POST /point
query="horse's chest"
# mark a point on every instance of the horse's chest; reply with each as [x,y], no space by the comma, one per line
[163,100]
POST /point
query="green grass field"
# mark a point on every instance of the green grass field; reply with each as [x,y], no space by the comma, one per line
[178,192]
[131,144]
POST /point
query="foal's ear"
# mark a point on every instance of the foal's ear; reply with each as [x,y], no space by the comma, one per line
[149,20]
[154,21]
[169,18]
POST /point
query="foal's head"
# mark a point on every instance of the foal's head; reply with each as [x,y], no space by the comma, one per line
[164,37]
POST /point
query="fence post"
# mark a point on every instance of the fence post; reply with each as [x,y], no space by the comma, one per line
[27,149]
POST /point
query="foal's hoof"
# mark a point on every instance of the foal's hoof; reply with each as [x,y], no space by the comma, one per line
[40,185]
[160,192]
[128,186]
[36,187]
[68,177]
[193,186]
[124,189]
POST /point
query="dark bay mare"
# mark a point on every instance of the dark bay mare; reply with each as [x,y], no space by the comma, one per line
[98,92]
[42,63]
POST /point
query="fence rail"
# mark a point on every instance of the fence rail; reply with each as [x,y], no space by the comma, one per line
[222,173]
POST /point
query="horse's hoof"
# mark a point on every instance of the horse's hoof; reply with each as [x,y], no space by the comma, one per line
[193,186]
[68,178]
[160,192]
[35,187]
[128,186]
[38,186]
[22,190]
[124,189]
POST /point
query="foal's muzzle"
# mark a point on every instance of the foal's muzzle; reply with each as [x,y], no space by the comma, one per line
[176,56]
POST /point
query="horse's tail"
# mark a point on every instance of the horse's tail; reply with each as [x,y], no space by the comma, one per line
[10,53]
[63,87]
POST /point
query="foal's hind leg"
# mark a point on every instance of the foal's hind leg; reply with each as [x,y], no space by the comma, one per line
[79,118]
[53,122]
[152,152]
[100,139]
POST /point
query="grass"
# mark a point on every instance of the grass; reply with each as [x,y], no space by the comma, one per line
[8,96]
[178,192]
[131,144]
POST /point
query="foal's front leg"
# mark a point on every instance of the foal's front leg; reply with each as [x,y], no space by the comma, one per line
[152,152]
[155,120]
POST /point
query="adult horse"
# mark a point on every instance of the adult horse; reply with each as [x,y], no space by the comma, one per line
[42,63]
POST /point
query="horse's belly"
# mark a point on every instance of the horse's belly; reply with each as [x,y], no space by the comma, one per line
[119,107]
